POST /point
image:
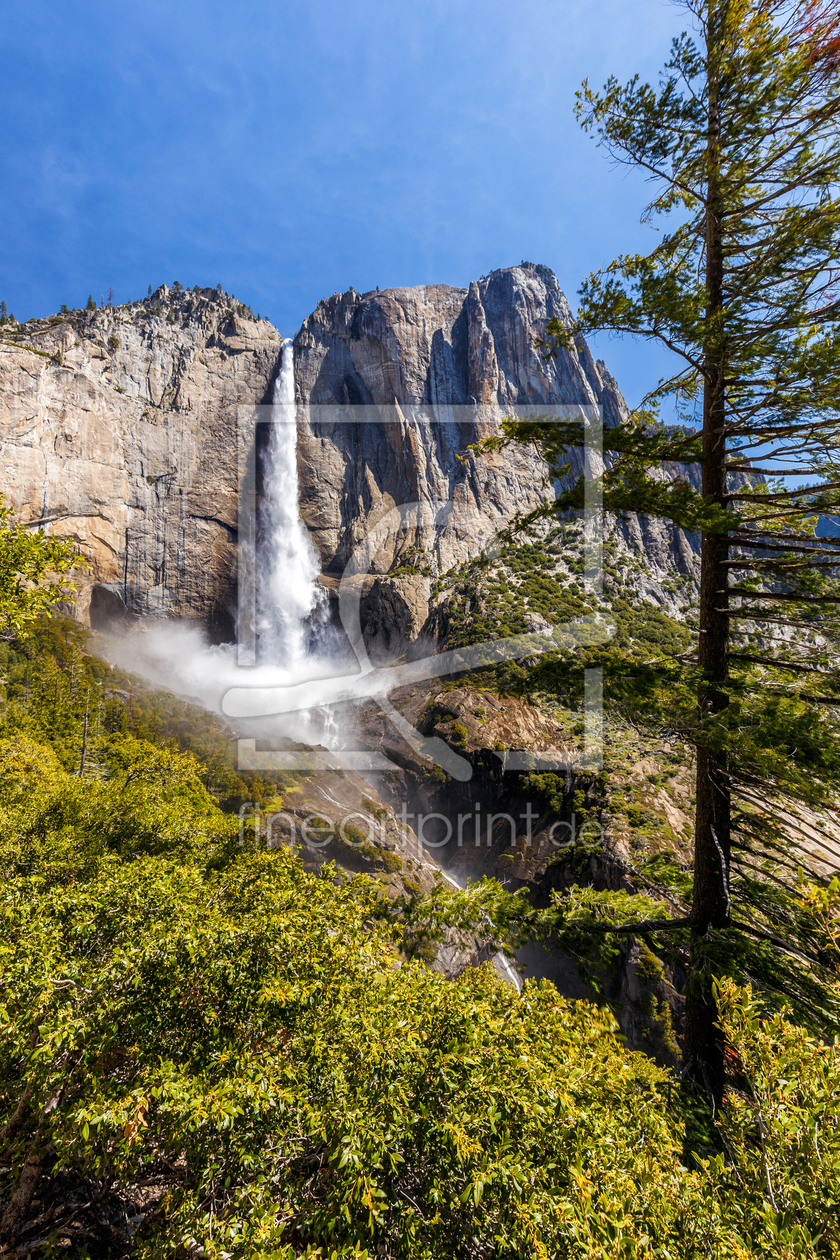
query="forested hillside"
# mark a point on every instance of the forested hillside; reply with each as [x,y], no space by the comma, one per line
[208,1051]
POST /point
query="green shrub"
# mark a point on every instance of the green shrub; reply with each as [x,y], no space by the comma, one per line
[215,1022]
[427,952]
[648,967]
[549,788]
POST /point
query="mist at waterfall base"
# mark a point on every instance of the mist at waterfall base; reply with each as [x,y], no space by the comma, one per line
[295,642]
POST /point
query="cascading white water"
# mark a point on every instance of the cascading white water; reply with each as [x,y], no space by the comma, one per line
[295,646]
[289,569]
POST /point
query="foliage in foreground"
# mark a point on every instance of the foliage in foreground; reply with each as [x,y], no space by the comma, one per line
[34,573]
[234,1058]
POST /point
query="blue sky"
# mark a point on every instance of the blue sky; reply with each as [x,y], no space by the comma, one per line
[290,150]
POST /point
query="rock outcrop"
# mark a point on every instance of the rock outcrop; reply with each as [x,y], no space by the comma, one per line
[541,834]
[426,372]
[118,427]
[429,369]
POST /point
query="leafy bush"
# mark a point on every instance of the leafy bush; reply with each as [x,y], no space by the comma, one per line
[34,572]
[222,1046]
[51,680]
[549,788]
[781,1125]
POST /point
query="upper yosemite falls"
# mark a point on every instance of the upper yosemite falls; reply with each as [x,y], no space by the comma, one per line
[311,519]
[123,427]
[420,738]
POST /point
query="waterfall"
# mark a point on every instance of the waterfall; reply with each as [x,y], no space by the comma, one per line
[295,646]
[289,568]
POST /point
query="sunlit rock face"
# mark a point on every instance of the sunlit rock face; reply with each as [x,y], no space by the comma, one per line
[440,366]
[121,432]
[118,427]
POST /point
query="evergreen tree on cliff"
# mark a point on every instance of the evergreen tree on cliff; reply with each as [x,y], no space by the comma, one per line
[741,140]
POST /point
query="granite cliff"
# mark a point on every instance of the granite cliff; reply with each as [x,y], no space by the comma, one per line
[118,427]
[427,371]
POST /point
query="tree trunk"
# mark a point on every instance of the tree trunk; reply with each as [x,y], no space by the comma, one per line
[703,1048]
[19,1204]
[84,740]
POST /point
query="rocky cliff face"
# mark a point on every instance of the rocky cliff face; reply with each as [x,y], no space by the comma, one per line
[427,371]
[118,428]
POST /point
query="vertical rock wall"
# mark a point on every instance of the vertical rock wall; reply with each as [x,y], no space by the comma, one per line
[118,428]
[428,370]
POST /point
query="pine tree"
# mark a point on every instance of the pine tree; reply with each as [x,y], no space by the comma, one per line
[741,138]
[91,305]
